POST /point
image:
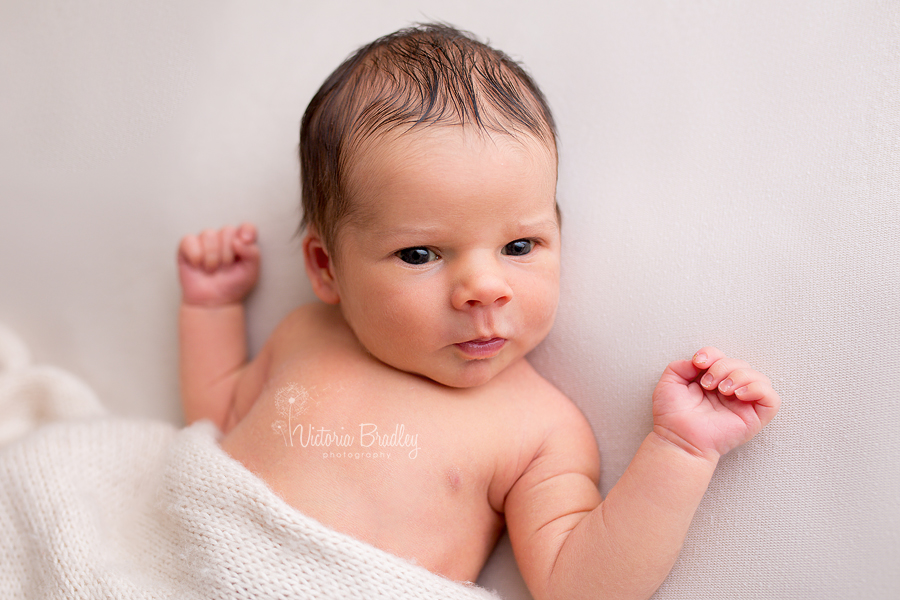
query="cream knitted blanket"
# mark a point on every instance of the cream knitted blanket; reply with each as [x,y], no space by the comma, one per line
[99,507]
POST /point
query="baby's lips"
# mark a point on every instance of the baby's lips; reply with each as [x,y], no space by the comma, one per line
[482,348]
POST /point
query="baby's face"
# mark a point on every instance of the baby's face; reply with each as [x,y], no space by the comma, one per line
[448,266]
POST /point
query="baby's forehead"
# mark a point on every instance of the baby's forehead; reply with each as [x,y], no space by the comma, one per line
[424,154]
[410,142]
[441,163]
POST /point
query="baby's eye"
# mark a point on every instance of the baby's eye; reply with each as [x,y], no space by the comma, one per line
[417,255]
[518,247]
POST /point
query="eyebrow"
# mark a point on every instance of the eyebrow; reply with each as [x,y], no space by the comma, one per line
[540,224]
[401,232]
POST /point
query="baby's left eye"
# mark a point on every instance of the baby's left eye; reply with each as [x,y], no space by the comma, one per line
[416,256]
[518,247]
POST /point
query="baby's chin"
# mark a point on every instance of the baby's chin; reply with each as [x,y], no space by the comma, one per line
[453,371]
[471,374]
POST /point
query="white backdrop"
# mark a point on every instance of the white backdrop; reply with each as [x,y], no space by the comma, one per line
[730,175]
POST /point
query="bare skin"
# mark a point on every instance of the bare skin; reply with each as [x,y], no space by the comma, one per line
[495,443]
[443,507]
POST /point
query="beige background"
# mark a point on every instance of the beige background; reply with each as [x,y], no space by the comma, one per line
[730,175]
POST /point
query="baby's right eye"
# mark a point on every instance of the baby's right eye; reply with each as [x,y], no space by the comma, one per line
[416,256]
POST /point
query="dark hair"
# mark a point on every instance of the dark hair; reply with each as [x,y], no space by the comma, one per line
[423,75]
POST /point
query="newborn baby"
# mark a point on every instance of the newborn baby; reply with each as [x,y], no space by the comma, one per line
[400,409]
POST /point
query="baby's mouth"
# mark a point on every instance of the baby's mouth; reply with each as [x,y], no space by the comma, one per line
[482,348]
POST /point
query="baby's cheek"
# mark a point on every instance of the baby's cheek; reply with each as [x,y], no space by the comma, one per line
[546,299]
[548,316]
[540,314]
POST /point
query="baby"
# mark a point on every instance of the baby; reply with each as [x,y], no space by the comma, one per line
[401,408]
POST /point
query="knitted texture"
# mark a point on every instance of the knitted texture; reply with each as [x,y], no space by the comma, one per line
[100,507]
[32,395]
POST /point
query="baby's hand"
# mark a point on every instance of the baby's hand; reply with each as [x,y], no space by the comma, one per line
[218,267]
[711,404]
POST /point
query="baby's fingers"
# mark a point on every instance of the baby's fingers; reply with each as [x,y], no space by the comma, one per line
[211,240]
[246,233]
[243,242]
[706,356]
[720,371]
[190,251]
[739,378]
[228,238]
[754,391]
[766,400]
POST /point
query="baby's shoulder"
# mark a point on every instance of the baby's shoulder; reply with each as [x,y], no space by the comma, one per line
[315,315]
[314,325]
[529,392]
[549,428]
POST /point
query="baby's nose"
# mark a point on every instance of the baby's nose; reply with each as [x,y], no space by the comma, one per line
[480,283]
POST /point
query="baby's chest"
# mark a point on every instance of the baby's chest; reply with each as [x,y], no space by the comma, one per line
[402,437]
[403,440]
[352,421]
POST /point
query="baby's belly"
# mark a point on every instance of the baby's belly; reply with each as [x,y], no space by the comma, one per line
[398,484]
[447,532]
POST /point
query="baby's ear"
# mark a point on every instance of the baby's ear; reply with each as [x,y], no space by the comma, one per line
[320,267]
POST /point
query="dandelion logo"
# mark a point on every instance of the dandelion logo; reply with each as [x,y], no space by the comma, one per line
[291,401]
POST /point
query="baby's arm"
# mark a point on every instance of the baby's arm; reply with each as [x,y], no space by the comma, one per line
[217,270]
[571,545]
